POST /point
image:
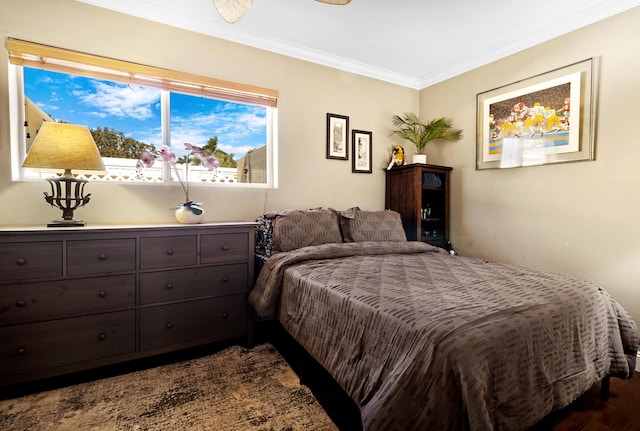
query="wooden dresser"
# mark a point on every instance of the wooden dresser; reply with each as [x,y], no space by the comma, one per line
[78,298]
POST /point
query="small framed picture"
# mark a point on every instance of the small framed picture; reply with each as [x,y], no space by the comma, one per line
[337,137]
[361,142]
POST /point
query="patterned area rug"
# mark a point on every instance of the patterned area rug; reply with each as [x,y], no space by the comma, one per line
[235,389]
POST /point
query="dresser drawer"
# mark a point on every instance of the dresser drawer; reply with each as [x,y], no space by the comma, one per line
[30,260]
[168,251]
[101,256]
[224,247]
[41,346]
[192,283]
[51,299]
[214,318]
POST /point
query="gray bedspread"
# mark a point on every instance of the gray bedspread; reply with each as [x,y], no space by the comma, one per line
[422,340]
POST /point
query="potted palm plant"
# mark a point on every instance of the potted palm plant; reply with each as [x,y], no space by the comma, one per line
[410,127]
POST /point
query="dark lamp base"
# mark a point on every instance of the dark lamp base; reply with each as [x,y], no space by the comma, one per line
[67,194]
[66,223]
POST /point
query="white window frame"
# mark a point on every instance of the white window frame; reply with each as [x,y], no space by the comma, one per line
[22,53]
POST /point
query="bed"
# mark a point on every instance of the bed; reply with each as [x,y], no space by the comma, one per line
[424,340]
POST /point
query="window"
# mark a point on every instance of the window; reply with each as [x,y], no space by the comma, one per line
[130,107]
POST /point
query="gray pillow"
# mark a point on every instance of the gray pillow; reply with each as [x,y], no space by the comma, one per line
[358,225]
[300,228]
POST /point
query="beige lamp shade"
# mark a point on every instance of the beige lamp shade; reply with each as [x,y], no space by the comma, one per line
[64,146]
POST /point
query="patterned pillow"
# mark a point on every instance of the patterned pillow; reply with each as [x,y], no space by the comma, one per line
[358,225]
[297,228]
[264,243]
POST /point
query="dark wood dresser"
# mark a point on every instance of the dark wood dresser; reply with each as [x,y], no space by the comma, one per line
[77,298]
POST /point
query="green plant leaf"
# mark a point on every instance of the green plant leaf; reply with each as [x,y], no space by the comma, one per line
[410,127]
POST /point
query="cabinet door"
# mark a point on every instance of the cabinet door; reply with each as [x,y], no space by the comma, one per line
[210,319]
[53,299]
[90,257]
[402,195]
[434,210]
[165,286]
[168,252]
[41,346]
[30,260]
[227,247]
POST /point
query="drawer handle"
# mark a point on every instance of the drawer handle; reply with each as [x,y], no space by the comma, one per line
[225,279]
[20,261]
[169,325]
[225,315]
[102,336]
[225,248]
[21,351]
[102,293]
[21,303]
[169,286]
[169,252]
[102,256]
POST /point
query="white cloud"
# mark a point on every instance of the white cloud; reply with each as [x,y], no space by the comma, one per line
[236,129]
[47,108]
[123,101]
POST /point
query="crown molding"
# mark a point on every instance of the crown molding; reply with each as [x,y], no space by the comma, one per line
[211,24]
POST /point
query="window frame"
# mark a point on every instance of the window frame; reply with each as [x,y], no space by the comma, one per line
[23,53]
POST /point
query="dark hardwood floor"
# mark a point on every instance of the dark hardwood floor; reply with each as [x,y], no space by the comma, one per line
[621,412]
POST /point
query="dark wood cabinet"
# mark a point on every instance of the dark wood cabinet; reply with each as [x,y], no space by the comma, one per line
[77,298]
[420,193]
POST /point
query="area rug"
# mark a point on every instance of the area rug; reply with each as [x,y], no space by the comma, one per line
[234,389]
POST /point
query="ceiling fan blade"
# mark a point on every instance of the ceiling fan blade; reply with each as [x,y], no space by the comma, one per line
[232,11]
[342,2]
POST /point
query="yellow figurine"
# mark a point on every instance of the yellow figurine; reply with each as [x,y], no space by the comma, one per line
[397,157]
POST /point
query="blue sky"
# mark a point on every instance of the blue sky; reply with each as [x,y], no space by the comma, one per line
[135,111]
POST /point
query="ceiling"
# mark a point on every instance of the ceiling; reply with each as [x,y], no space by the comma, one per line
[413,43]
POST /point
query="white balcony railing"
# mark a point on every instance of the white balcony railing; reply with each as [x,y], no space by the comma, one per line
[124,170]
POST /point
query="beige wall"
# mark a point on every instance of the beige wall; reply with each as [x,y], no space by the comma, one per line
[576,218]
[307,93]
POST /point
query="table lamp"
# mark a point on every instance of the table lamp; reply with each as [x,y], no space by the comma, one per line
[65,147]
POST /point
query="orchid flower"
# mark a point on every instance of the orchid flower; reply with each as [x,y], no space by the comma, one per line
[147,158]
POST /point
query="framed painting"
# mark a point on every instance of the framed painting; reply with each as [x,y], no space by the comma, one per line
[337,137]
[361,160]
[548,118]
